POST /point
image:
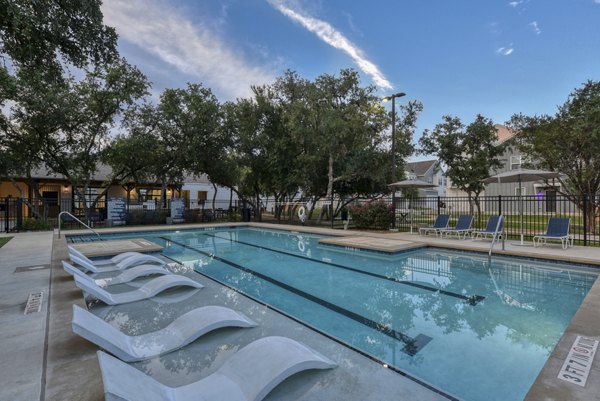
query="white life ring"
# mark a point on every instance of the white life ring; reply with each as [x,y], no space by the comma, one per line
[301,245]
[302,214]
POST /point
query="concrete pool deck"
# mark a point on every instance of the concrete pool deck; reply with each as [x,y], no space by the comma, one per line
[67,367]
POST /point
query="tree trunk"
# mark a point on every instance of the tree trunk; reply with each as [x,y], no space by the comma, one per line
[330,178]
[470,195]
[257,209]
[593,209]
[26,201]
[163,195]
[214,199]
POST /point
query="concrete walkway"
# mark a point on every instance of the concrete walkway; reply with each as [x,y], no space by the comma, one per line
[24,269]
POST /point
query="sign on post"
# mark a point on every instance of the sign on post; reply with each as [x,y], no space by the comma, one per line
[116,211]
[177,210]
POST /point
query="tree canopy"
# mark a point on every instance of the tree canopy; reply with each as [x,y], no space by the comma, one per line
[567,142]
[469,152]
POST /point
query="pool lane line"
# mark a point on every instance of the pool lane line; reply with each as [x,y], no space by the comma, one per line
[412,345]
[373,358]
[471,300]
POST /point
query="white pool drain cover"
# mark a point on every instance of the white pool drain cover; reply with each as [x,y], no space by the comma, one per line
[34,303]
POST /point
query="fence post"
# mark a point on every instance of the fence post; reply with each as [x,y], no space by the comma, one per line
[19,214]
[438,205]
[499,204]
[6,209]
[585,227]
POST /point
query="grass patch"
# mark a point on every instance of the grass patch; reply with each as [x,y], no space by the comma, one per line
[4,240]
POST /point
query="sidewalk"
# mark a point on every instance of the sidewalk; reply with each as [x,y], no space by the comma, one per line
[23,336]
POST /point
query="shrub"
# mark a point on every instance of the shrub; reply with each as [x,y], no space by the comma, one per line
[375,215]
[136,217]
[32,224]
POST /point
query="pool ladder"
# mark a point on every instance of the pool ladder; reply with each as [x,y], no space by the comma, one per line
[495,236]
[76,219]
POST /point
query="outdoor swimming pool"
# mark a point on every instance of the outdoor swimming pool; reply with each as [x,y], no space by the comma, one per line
[448,318]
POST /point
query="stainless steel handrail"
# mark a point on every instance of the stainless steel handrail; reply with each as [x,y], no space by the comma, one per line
[500,220]
[79,221]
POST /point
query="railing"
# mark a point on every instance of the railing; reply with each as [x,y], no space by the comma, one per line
[495,236]
[76,219]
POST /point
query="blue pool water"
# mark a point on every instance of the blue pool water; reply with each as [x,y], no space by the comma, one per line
[475,330]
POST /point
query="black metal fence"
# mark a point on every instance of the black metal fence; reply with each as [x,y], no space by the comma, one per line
[411,213]
[528,214]
[18,214]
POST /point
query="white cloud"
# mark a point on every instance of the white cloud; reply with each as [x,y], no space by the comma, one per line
[536,28]
[597,1]
[191,48]
[505,51]
[336,39]
[515,4]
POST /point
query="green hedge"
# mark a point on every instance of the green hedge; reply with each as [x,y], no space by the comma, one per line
[374,215]
[33,224]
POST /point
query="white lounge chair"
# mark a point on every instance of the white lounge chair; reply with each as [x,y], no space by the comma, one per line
[249,375]
[179,333]
[119,262]
[123,277]
[148,290]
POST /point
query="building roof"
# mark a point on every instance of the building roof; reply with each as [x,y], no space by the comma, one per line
[420,167]
[102,173]
[503,134]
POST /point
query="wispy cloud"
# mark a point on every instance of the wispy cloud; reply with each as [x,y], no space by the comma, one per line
[190,48]
[515,4]
[336,39]
[505,51]
[534,25]
[597,1]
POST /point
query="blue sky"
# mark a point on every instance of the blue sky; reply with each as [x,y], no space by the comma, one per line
[493,57]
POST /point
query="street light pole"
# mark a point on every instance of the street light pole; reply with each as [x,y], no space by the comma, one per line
[393,98]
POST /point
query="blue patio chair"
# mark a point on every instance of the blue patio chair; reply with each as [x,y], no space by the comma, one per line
[558,229]
[494,227]
[441,222]
[463,227]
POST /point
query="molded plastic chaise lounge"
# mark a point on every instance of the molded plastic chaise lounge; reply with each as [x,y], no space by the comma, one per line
[249,375]
[558,229]
[463,227]
[179,333]
[441,222]
[148,290]
[493,228]
[120,262]
[120,278]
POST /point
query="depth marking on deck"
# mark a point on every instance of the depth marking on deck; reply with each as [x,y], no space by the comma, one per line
[578,364]
[471,300]
[412,345]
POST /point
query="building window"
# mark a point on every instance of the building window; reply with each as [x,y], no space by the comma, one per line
[520,191]
[515,162]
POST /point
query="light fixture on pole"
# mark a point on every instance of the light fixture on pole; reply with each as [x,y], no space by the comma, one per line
[393,99]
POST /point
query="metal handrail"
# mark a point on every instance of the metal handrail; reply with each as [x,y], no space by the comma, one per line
[500,220]
[80,222]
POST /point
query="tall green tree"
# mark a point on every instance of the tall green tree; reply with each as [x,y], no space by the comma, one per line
[38,39]
[567,142]
[469,152]
[179,135]
[42,34]
[69,121]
